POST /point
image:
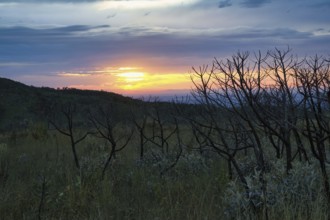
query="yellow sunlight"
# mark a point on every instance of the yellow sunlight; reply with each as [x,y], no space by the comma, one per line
[140,81]
[131,76]
[127,80]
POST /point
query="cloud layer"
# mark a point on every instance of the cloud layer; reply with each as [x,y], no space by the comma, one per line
[254,3]
[79,44]
[59,36]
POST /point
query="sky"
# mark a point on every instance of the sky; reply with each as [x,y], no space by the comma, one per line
[147,47]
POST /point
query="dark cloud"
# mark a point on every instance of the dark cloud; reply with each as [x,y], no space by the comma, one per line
[111,16]
[78,28]
[43,46]
[277,33]
[147,13]
[63,47]
[224,4]
[254,3]
[320,29]
[324,4]
[26,32]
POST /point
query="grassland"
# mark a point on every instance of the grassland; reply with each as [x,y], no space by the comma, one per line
[43,182]
[39,179]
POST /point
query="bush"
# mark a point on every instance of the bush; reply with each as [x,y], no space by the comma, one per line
[295,194]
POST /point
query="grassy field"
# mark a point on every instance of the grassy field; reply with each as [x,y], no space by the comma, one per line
[132,189]
[40,181]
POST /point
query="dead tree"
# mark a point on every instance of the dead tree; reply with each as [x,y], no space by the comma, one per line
[67,112]
[281,67]
[313,83]
[218,93]
[162,128]
[140,124]
[105,121]
[179,153]
[140,118]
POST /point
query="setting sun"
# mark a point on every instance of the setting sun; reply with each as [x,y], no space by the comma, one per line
[129,80]
[131,76]
[139,81]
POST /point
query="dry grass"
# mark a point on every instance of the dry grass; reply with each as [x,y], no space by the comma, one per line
[197,188]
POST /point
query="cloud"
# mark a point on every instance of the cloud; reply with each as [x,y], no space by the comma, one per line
[97,71]
[322,4]
[225,3]
[78,28]
[178,49]
[254,3]
[72,74]
[126,40]
[111,16]
[22,33]
[52,1]
[264,33]
[133,4]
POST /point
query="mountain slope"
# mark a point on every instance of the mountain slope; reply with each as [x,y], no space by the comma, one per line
[20,103]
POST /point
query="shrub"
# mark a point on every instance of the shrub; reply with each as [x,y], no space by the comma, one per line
[295,194]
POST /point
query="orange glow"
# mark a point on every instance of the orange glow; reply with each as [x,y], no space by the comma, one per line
[127,68]
[73,74]
[128,80]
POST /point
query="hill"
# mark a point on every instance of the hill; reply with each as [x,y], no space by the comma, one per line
[21,104]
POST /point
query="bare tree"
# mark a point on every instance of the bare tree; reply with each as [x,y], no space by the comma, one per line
[67,112]
[140,118]
[108,127]
[313,85]
[140,124]
[179,153]
[281,72]
[277,96]
[222,97]
[162,127]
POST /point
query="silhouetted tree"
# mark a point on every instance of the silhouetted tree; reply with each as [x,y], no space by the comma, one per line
[277,96]
[62,119]
[109,127]
[313,83]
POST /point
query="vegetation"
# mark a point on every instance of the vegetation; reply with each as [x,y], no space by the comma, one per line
[254,145]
